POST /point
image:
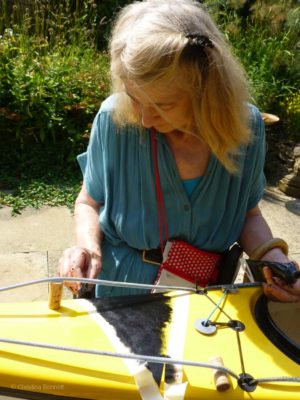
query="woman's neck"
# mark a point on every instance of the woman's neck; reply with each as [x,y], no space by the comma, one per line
[190,153]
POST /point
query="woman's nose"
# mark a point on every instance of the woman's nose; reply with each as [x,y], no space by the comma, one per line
[148,116]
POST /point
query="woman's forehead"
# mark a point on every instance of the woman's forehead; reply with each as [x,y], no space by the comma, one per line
[157,92]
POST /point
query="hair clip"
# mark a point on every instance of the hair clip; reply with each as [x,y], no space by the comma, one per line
[200,41]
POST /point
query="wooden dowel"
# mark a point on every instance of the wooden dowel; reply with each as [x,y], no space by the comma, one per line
[55,295]
[221,379]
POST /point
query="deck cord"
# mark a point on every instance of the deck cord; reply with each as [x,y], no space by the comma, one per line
[154,359]
[217,306]
[240,352]
[130,284]
[160,360]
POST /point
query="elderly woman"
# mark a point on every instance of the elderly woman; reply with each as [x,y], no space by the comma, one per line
[176,152]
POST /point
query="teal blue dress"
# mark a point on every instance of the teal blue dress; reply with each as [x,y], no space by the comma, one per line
[118,173]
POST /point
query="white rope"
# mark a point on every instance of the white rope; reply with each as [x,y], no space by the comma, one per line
[276,379]
[128,284]
[217,306]
[159,360]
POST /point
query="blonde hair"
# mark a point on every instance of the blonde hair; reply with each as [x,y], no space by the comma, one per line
[150,45]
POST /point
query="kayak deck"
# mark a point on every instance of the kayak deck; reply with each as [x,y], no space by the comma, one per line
[77,324]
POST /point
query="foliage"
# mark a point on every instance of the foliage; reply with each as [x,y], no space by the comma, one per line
[38,175]
[52,81]
[292,108]
[106,11]
[265,36]
[50,86]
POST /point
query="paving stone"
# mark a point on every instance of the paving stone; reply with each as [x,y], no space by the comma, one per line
[283,223]
[50,228]
[22,267]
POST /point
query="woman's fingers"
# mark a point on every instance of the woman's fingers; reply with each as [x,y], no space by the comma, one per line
[268,275]
[276,293]
[74,263]
[94,266]
[78,262]
[277,290]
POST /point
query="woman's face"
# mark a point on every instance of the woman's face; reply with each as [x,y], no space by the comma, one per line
[164,108]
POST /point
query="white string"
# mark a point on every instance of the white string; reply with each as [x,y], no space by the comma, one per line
[159,360]
[128,284]
[205,323]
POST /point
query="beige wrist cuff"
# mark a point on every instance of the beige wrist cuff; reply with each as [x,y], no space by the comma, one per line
[263,248]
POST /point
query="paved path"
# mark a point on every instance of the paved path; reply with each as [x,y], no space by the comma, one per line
[31,244]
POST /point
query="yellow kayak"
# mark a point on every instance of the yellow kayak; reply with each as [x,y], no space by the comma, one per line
[215,344]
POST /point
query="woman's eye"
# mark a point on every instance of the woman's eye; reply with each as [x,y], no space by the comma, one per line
[167,107]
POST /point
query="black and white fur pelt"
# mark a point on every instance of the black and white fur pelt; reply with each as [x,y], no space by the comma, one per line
[139,322]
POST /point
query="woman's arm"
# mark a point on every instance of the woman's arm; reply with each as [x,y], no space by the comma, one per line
[88,234]
[83,259]
[255,232]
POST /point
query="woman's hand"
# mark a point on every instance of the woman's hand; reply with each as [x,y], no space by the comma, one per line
[278,290]
[83,261]
[79,262]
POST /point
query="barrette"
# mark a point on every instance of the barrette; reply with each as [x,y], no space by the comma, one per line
[200,41]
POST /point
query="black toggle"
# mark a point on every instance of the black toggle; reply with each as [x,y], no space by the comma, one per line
[247,382]
[286,271]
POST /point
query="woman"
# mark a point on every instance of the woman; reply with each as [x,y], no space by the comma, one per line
[178,88]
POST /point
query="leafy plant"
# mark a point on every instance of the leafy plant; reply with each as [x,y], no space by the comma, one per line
[43,174]
[265,37]
[292,108]
[52,79]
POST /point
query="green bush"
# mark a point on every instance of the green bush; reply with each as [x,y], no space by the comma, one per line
[50,85]
[52,81]
[292,107]
[265,37]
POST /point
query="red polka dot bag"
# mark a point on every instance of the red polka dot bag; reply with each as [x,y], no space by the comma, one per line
[183,264]
[189,263]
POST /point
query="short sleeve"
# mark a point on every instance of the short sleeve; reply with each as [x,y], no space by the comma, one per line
[91,162]
[256,159]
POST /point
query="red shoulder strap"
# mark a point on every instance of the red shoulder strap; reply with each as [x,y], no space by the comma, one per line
[162,219]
